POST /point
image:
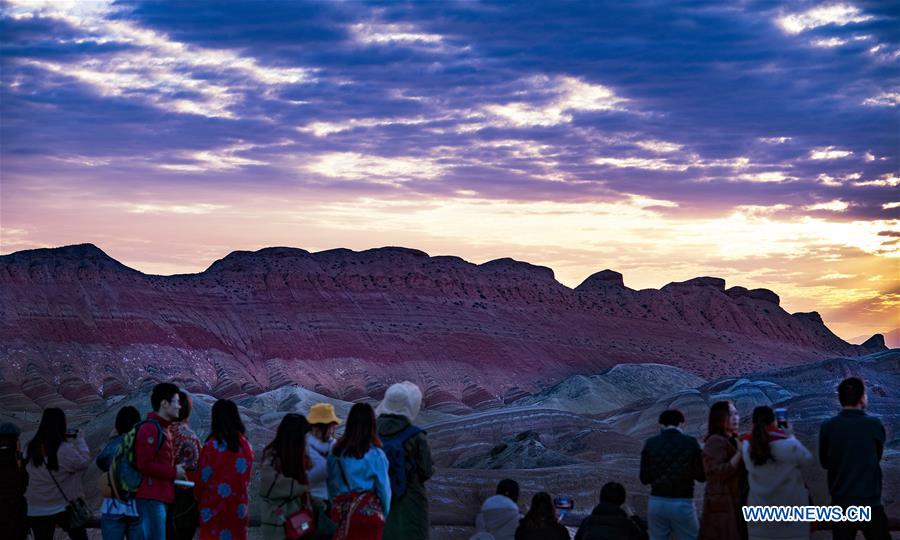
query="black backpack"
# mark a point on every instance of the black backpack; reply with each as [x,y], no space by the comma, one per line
[395,449]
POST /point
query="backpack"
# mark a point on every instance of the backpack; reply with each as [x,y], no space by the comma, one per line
[126,478]
[395,449]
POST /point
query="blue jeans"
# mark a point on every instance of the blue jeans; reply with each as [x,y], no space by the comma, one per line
[116,527]
[675,517]
[153,519]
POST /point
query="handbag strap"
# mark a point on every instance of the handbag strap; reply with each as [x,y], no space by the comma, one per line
[305,495]
[272,485]
[354,506]
[63,493]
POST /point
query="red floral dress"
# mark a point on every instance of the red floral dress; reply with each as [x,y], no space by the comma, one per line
[221,491]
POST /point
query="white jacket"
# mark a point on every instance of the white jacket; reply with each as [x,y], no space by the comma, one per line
[318,455]
[499,516]
[778,483]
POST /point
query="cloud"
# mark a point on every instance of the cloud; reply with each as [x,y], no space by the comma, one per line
[196,208]
[652,164]
[835,14]
[885,180]
[830,181]
[567,95]
[323,129]
[765,177]
[222,159]
[884,99]
[834,276]
[757,211]
[831,206]
[386,34]
[163,72]
[884,53]
[13,239]
[829,43]
[829,152]
[878,308]
[375,169]
[662,147]
[775,140]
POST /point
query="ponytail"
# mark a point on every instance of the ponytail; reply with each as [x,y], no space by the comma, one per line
[760,449]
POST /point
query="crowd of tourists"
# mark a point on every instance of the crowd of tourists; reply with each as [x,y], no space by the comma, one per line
[160,481]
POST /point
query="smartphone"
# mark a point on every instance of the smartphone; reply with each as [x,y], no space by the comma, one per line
[781,417]
[563,504]
[71,433]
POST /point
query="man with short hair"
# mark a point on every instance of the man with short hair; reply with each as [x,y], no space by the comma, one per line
[609,521]
[850,449]
[155,459]
[671,462]
[499,515]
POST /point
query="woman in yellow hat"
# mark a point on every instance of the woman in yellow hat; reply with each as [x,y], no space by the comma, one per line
[322,422]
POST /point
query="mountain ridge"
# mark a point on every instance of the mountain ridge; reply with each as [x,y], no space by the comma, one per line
[78,325]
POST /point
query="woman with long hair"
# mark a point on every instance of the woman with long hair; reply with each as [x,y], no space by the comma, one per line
[55,460]
[226,460]
[118,519]
[725,476]
[284,482]
[541,521]
[773,458]
[358,480]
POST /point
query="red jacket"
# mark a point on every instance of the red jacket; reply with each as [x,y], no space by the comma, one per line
[157,466]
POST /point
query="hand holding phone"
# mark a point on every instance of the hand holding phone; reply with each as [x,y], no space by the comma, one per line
[563,505]
[781,417]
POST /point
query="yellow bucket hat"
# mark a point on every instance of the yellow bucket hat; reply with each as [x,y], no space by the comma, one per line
[322,413]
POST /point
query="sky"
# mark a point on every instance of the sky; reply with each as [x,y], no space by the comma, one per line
[753,141]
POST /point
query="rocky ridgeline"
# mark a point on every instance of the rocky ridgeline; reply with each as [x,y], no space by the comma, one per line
[78,326]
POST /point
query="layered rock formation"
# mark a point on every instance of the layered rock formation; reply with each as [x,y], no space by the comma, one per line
[617,387]
[604,447]
[77,325]
[547,447]
[524,451]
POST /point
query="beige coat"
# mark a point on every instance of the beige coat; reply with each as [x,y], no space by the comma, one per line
[44,497]
[280,497]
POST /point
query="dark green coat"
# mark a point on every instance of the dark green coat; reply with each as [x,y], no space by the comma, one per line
[408,519]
